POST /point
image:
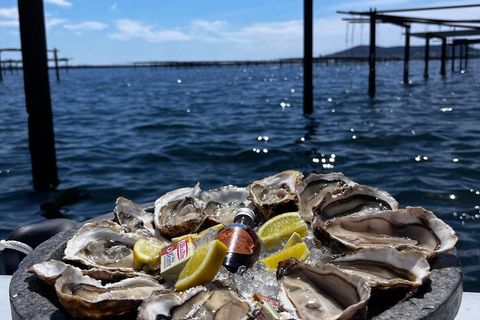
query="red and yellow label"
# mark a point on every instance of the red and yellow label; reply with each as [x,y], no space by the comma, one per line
[237,240]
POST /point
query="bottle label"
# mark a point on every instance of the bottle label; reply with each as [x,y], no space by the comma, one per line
[237,240]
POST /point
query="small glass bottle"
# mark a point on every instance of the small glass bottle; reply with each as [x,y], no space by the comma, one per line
[243,244]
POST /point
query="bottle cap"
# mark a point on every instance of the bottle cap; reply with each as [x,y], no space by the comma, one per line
[246,212]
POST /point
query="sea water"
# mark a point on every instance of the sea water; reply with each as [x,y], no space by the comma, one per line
[139,133]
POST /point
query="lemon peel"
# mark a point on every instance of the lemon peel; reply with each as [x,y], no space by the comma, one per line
[299,251]
[281,227]
[147,253]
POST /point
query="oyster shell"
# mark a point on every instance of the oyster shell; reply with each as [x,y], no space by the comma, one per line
[179,212]
[387,268]
[220,205]
[314,187]
[356,199]
[102,244]
[276,194]
[320,292]
[413,228]
[86,297]
[212,301]
[134,218]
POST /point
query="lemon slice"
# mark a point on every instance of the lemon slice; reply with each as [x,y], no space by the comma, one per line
[196,236]
[202,266]
[299,251]
[294,239]
[281,227]
[147,253]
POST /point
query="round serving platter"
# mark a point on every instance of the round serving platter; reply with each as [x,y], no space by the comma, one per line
[439,298]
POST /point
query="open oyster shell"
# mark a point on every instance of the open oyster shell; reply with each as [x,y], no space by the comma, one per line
[220,205]
[413,228]
[387,268]
[85,297]
[179,212]
[320,292]
[314,187]
[212,301]
[102,244]
[276,194]
[354,199]
[134,218]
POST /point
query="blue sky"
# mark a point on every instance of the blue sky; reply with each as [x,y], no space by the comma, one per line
[121,31]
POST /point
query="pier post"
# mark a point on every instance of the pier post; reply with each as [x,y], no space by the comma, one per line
[1,75]
[37,94]
[443,57]
[466,55]
[406,54]
[307,56]
[453,57]
[371,56]
[55,56]
[461,57]
[427,56]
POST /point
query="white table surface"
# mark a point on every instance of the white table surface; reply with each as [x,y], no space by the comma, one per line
[469,309]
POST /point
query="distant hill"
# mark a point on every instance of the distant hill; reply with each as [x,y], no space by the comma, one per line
[416,52]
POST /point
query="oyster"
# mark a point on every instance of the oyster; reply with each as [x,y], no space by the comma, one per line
[276,194]
[215,300]
[221,205]
[356,199]
[86,297]
[179,212]
[134,218]
[312,190]
[413,228]
[102,244]
[320,292]
[386,268]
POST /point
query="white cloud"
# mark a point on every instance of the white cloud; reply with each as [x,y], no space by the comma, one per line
[114,6]
[128,29]
[86,26]
[49,23]
[61,3]
[10,13]
[8,23]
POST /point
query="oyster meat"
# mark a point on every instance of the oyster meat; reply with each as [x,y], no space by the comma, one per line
[387,268]
[321,292]
[312,190]
[215,300]
[179,212]
[276,194]
[413,228]
[220,205]
[134,218]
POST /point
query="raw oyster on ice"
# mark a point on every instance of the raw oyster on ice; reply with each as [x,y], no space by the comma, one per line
[215,300]
[220,205]
[276,194]
[314,187]
[179,212]
[320,292]
[134,218]
[102,244]
[387,268]
[356,199]
[85,297]
[413,228]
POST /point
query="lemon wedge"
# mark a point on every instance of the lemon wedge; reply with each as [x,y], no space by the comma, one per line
[147,253]
[196,236]
[293,240]
[281,227]
[299,251]
[202,266]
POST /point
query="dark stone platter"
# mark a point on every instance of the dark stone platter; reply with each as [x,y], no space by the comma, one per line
[439,298]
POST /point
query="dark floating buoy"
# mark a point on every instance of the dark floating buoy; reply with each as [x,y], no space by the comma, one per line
[32,235]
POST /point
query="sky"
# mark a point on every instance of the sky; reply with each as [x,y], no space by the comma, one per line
[97,32]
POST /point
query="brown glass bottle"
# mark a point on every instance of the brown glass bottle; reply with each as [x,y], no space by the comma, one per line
[243,244]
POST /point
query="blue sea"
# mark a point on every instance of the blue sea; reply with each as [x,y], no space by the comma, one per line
[139,133]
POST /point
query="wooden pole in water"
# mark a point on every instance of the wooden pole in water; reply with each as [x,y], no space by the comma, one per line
[427,56]
[307,56]
[461,57]
[444,56]
[371,56]
[1,76]
[37,94]
[466,55]
[453,57]
[55,56]
[406,54]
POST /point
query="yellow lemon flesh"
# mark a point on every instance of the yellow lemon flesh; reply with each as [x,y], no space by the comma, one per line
[202,266]
[294,239]
[147,253]
[299,251]
[281,227]
[196,236]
